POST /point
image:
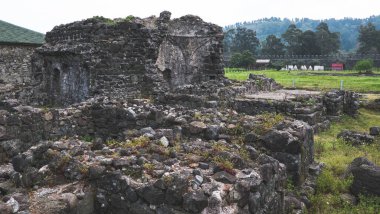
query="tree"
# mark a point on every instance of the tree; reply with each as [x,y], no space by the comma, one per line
[273,46]
[328,42]
[292,38]
[244,40]
[242,60]
[369,41]
[309,44]
[227,41]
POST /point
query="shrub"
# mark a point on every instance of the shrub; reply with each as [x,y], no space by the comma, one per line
[364,65]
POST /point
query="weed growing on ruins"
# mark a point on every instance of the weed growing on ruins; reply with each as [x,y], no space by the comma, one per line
[87,138]
[113,143]
[266,122]
[197,115]
[290,184]
[236,130]
[168,180]
[134,173]
[104,20]
[159,150]
[244,154]
[84,169]
[139,142]
[129,18]
[149,168]
[224,164]
[337,155]
[218,147]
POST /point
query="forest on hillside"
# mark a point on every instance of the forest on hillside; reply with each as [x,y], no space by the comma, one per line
[348,28]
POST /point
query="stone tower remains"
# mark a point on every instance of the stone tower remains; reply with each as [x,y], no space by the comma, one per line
[125,58]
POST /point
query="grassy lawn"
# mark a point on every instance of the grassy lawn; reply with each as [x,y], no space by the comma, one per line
[309,79]
[337,155]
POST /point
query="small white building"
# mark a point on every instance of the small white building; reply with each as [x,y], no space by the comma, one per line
[319,68]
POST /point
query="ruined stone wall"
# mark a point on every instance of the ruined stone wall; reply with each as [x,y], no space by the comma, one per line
[126,58]
[15,63]
[252,190]
[315,110]
[191,52]
[94,58]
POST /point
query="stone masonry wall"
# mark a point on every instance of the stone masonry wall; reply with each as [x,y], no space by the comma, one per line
[15,63]
[255,187]
[125,58]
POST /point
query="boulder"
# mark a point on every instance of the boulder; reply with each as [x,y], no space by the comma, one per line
[374,131]
[224,177]
[212,132]
[148,131]
[152,195]
[197,127]
[195,201]
[355,138]
[292,203]
[366,177]
[164,141]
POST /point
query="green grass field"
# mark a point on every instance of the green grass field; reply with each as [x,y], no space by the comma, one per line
[337,155]
[309,79]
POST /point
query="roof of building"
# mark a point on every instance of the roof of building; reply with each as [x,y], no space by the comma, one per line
[13,34]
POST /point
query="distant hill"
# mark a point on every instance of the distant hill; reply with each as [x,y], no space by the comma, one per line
[347,27]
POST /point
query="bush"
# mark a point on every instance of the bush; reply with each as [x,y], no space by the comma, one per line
[364,65]
[242,60]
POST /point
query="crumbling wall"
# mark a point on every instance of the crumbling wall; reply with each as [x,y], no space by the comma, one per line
[15,63]
[316,110]
[126,58]
[191,52]
[91,57]
[338,102]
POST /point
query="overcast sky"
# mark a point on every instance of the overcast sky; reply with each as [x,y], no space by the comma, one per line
[43,15]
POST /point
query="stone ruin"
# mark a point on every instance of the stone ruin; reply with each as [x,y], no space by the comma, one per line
[126,58]
[143,121]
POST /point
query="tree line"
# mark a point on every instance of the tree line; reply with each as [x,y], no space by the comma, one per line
[242,44]
[348,28]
